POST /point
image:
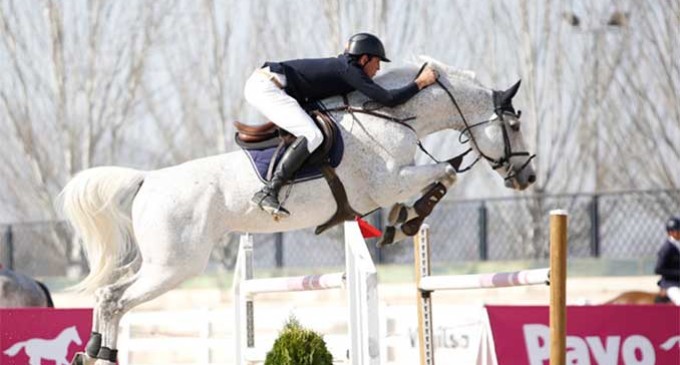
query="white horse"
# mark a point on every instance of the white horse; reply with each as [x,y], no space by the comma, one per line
[147,231]
[55,349]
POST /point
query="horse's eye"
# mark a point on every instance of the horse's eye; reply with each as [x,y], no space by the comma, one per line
[514,125]
[519,114]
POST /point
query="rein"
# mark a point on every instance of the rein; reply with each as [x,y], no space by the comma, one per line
[455,161]
[495,163]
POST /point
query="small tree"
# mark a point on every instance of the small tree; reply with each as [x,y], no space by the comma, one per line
[298,346]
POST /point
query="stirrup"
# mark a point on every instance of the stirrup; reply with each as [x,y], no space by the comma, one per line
[276,210]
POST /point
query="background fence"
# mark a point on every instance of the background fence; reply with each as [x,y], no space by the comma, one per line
[614,226]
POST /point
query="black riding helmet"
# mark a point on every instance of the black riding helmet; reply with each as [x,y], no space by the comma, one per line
[366,43]
[673,224]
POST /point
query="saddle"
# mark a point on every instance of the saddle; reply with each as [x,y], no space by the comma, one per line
[270,136]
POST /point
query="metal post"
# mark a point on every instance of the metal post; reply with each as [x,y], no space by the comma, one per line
[421,254]
[8,249]
[483,229]
[243,302]
[278,247]
[378,223]
[558,286]
[595,226]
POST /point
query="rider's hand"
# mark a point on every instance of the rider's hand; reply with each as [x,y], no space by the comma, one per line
[426,78]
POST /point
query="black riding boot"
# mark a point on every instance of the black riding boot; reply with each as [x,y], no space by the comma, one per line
[268,198]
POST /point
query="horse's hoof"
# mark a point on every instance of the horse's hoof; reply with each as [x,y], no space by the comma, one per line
[411,227]
[104,362]
[387,237]
[397,214]
[401,213]
[81,358]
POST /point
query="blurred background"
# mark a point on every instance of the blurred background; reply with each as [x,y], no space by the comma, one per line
[152,84]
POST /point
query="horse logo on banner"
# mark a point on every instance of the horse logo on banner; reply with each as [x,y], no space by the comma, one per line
[38,349]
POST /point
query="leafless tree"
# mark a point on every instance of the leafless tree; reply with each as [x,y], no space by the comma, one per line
[151,84]
[69,94]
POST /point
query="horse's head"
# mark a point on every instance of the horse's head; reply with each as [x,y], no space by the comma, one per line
[488,120]
[501,143]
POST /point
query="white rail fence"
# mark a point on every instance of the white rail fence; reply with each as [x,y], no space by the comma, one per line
[359,279]
[206,337]
[427,284]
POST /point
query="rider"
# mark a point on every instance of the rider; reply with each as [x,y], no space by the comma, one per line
[668,262]
[279,88]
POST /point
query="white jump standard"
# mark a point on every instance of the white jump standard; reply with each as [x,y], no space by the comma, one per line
[426,284]
[360,279]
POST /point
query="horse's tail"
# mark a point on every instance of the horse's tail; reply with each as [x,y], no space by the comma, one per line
[98,203]
[12,351]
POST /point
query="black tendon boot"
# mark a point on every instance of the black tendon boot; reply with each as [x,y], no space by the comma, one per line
[268,198]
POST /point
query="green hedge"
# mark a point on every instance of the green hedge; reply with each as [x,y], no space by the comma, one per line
[298,346]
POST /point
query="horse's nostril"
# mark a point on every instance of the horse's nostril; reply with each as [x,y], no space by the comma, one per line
[532,179]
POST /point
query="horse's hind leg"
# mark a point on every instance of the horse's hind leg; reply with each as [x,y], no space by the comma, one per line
[151,281]
[103,298]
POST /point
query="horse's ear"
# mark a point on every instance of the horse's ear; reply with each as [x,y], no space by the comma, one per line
[510,93]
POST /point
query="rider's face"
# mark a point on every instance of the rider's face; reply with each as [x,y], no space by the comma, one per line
[370,65]
[674,234]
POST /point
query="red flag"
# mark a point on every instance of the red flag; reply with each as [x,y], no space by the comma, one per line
[368,230]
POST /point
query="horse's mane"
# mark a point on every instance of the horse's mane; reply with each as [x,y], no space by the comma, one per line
[398,76]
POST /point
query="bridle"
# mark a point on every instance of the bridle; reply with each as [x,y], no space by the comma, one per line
[496,163]
[499,111]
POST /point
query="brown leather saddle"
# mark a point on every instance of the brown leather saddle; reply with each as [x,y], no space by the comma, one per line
[270,135]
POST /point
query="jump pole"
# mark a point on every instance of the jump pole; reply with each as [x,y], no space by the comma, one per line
[556,276]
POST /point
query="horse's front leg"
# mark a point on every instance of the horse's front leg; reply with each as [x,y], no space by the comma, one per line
[436,179]
[414,179]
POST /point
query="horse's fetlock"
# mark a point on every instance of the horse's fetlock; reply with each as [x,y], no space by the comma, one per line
[110,309]
[108,354]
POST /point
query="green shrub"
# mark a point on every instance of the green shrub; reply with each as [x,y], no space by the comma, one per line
[298,346]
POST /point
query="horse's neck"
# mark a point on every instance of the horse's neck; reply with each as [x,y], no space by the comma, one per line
[432,107]
[436,111]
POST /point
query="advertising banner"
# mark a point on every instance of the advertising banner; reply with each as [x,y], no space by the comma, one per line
[597,335]
[42,336]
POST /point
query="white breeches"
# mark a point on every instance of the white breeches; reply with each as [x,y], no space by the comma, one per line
[674,294]
[262,93]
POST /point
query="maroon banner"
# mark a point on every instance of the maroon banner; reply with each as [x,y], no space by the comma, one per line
[597,335]
[42,336]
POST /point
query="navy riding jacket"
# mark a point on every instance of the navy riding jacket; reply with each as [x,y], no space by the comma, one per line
[668,265]
[309,80]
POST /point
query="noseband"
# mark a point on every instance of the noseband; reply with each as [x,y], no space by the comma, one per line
[499,111]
